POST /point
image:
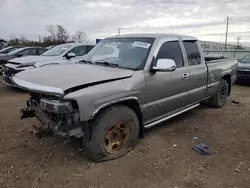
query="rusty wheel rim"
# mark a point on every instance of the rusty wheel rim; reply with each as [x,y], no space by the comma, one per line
[116,137]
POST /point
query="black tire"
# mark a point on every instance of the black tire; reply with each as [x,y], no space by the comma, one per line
[95,133]
[218,100]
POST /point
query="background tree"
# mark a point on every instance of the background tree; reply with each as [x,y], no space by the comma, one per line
[57,34]
[62,34]
[79,36]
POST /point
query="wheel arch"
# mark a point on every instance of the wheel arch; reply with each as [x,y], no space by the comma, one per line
[228,79]
[130,102]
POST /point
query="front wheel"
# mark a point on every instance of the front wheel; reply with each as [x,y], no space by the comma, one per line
[112,134]
[219,99]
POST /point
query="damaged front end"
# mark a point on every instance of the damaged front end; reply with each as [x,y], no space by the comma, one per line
[62,117]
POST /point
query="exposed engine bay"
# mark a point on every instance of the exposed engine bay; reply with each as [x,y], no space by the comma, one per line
[60,116]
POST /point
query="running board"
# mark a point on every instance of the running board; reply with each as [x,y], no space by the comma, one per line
[171,116]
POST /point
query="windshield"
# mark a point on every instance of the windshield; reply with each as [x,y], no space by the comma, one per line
[130,53]
[245,59]
[15,51]
[57,50]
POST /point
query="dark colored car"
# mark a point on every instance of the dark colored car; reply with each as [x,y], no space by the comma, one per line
[9,49]
[26,51]
[243,72]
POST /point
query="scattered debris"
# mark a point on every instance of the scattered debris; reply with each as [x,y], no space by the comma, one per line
[202,149]
[195,137]
[175,145]
[41,132]
[237,170]
[235,102]
[34,183]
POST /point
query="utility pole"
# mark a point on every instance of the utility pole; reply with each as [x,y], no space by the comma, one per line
[226,32]
[119,31]
[39,38]
[238,41]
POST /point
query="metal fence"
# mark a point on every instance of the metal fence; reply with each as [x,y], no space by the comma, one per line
[238,54]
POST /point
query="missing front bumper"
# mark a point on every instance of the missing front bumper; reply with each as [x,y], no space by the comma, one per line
[65,131]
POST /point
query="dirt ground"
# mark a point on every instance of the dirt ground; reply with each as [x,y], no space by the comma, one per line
[164,158]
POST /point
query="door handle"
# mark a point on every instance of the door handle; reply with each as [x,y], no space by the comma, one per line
[185,76]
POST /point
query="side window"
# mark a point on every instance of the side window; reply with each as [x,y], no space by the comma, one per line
[32,51]
[171,50]
[193,53]
[24,52]
[89,48]
[79,50]
[40,51]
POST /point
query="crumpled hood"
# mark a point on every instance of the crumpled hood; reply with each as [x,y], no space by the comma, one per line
[244,66]
[36,59]
[64,77]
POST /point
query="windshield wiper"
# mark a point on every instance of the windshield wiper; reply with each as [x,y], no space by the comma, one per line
[106,63]
[85,61]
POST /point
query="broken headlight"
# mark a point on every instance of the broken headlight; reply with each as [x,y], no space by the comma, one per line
[56,106]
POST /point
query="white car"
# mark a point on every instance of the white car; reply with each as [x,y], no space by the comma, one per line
[60,54]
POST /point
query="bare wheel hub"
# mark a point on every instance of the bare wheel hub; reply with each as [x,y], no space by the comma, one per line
[116,138]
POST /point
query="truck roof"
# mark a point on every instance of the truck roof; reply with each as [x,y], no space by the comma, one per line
[156,35]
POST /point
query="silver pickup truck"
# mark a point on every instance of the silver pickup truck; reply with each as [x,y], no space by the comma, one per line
[123,86]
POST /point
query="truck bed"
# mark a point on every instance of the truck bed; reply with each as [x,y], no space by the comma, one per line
[217,68]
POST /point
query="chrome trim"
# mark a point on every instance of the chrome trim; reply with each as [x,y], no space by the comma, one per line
[36,87]
[113,102]
[171,116]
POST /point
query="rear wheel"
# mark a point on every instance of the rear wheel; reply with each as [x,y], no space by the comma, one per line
[219,99]
[112,134]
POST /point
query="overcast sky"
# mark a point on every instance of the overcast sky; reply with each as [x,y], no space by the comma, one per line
[101,18]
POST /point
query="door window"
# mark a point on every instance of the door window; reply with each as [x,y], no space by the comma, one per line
[171,50]
[79,50]
[32,51]
[193,53]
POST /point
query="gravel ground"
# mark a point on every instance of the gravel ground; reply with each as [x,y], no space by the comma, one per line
[164,158]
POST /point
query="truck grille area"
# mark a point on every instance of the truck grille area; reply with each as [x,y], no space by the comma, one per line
[54,113]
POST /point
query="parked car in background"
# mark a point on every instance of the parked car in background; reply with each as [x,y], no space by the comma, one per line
[141,81]
[20,52]
[9,49]
[61,54]
[243,73]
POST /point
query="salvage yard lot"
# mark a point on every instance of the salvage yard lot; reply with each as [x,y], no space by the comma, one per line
[164,158]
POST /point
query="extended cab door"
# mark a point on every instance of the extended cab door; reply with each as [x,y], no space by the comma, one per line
[166,91]
[197,71]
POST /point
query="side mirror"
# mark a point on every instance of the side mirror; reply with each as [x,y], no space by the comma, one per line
[165,65]
[70,55]
[19,55]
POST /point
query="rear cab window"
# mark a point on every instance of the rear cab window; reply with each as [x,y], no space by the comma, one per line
[193,52]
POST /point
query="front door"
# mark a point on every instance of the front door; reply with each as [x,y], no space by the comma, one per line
[167,91]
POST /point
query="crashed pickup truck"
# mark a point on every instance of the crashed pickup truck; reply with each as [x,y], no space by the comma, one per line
[141,81]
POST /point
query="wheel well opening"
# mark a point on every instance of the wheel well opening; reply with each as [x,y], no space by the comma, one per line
[227,78]
[134,105]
